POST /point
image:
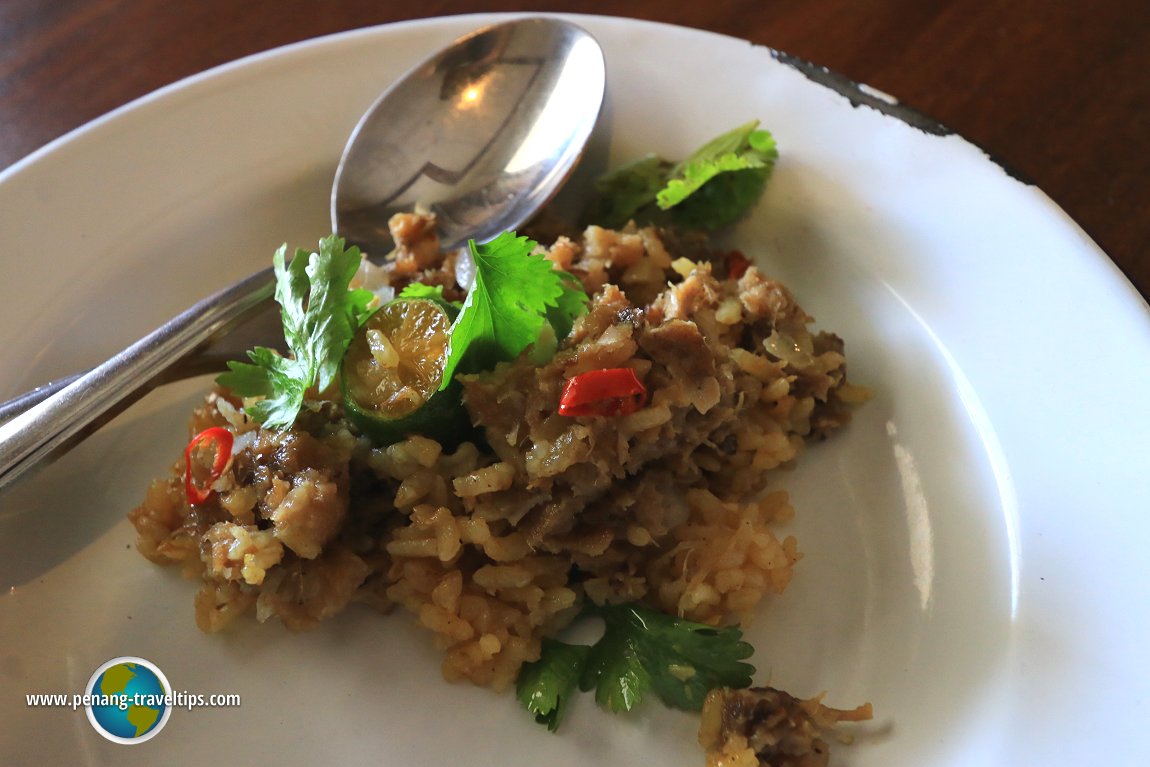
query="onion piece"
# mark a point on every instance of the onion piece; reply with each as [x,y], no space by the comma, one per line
[799,354]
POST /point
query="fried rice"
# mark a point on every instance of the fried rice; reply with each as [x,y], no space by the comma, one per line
[495,543]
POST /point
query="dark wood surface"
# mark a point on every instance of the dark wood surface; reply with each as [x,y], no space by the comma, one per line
[1056,90]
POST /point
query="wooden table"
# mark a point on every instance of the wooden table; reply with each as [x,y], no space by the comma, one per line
[1056,90]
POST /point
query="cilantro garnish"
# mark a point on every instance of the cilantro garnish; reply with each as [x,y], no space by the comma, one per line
[546,686]
[708,190]
[681,660]
[514,294]
[320,315]
[418,290]
[622,193]
[640,651]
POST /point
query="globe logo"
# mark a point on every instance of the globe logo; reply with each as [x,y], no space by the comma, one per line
[130,700]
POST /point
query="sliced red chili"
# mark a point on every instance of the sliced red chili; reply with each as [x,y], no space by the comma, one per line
[614,391]
[220,441]
[737,264]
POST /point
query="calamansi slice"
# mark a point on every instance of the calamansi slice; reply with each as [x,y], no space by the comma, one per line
[393,369]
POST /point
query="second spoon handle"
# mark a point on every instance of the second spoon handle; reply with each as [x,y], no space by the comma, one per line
[75,410]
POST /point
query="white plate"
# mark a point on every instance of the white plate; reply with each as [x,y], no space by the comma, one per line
[974,542]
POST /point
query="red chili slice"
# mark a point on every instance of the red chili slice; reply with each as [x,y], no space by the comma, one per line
[220,440]
[737,264]
[614,391]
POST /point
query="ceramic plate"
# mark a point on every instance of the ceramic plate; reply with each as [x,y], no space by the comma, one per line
[973,542]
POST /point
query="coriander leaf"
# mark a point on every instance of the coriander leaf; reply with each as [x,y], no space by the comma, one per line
[248,380]
[694,175]
[514,293]
[641,650]
[320,315]
[616,672]
[683,660]
[720,181]
[571,303]
[282,387]
[739,149]
[722,201]
[419,290]
[709,189]
[333,311]
[622,193]
[545,687]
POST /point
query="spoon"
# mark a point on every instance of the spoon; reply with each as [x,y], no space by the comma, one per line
[482,134]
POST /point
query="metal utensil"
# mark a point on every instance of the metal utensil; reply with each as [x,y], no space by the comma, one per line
[482,134]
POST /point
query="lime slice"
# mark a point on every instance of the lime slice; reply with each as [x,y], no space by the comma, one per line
[392,372]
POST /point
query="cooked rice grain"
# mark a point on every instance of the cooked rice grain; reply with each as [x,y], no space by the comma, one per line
[492,551]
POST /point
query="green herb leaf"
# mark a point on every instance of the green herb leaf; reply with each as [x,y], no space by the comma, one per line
[615,671]
[327,318]
[320,315]
[708,190]
[622,193]
[743,148]
[640,651]
[514,293]
[419,290]
[570,304]
[283,387]
[545,687]
[683,660]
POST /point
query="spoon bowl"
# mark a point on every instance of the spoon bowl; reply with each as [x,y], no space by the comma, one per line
[481,134]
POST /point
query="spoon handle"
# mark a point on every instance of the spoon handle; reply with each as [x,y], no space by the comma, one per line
[64,418]
[9,409]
